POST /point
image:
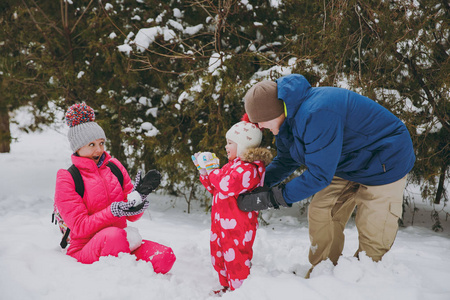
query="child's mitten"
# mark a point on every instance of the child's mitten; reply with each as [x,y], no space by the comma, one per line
[208,161]
[194,160]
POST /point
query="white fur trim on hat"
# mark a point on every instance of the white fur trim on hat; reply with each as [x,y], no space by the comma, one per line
[246,135]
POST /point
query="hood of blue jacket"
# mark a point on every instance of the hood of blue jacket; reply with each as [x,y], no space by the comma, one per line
[293,90]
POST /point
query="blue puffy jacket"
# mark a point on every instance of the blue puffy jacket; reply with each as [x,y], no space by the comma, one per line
[334,131]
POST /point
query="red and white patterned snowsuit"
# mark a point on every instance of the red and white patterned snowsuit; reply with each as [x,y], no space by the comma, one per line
[232,230]
[94,230]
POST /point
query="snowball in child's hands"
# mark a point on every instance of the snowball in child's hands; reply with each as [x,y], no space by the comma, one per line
[136,197]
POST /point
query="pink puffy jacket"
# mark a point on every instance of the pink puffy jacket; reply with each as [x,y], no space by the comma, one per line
[92,213]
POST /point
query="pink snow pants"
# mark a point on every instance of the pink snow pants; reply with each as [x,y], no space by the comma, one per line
[113,240]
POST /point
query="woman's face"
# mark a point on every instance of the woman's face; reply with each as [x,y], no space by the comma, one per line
[93,150]
[231,148]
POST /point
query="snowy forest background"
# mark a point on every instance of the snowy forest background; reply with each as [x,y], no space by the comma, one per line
[167,78]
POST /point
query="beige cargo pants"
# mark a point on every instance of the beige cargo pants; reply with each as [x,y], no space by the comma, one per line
[378,211]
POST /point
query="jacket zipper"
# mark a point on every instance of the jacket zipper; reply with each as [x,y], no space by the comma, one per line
[105,185]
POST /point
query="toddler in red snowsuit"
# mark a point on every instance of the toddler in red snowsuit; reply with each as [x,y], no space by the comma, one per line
[232,230]
[98,219]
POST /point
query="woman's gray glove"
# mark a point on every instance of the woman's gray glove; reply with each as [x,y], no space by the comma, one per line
[262,198]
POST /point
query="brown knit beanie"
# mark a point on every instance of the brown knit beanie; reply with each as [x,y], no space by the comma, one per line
[262,103]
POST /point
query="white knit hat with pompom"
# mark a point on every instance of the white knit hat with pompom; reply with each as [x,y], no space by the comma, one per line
[246,135]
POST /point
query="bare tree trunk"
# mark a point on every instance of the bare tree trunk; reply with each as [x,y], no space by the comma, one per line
[5,134]
[440,189]
[191,197]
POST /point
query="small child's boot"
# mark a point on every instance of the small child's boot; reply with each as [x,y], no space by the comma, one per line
[220,292]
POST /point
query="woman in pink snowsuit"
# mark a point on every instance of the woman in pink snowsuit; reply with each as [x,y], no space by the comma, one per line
[98,220]
[232,230]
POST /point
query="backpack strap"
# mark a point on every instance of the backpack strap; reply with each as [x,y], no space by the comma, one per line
[76,175]
[116,171]
[63,243]
[79,188]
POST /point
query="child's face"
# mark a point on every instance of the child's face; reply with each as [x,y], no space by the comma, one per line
[231,148]
[93,150]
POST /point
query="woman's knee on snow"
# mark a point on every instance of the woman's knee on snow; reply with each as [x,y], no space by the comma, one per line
[112,241]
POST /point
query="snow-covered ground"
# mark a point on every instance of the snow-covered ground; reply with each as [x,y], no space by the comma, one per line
[32,265]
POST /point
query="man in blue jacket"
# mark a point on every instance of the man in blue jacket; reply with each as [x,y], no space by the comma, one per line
[356,154]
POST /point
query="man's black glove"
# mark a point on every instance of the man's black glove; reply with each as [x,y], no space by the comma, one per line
[262,198]
[150,182]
